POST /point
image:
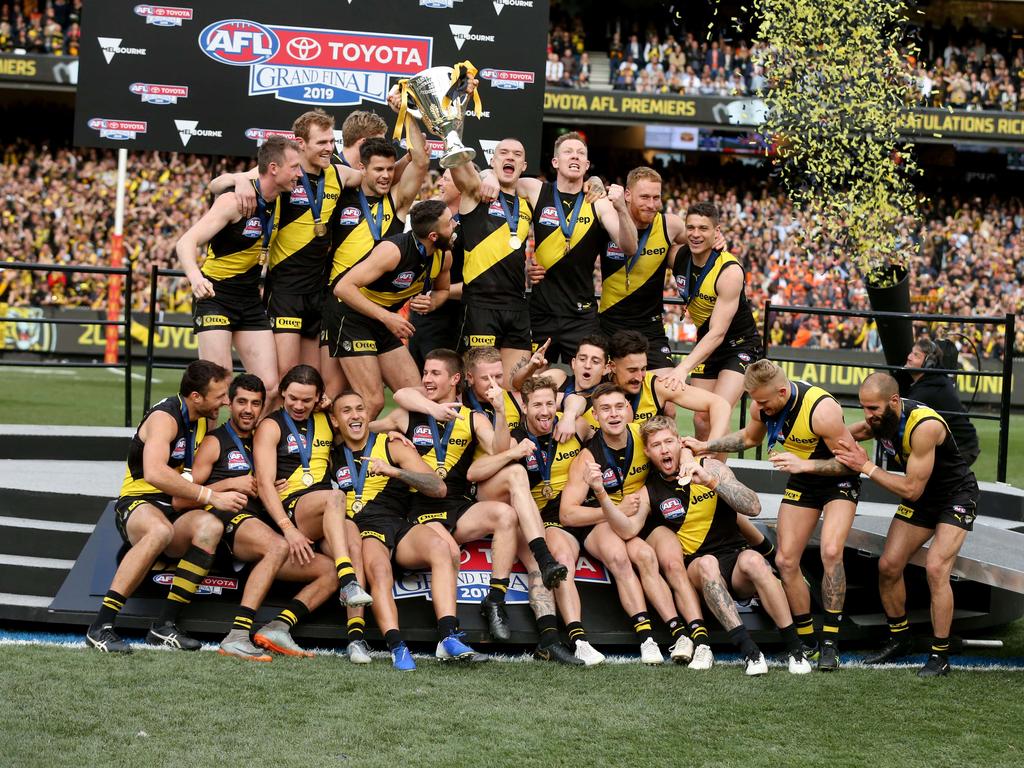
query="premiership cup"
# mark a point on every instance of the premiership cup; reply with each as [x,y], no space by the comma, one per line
[440,99]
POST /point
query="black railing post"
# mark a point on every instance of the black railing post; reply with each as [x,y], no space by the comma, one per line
[128,346]
[743,415]
[154,273]
[1009,333]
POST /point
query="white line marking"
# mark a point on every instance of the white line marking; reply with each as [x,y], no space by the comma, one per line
[36,562]
[46,370]
[45,525]
[119,372]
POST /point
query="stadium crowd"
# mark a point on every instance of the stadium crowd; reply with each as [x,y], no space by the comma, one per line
[29,26]
[972,244]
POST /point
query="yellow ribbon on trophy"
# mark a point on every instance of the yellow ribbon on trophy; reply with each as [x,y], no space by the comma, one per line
[403,92]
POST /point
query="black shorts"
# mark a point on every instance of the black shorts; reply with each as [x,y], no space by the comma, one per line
[436,330]
[384,526]
[813,492]
[726,563]
[565,333]
[294,312]
[958,511]
[653,522]
[730,356]
[125,505]
[658,350]
[490,326]
[447,512]
[229,313]
[289,502]
[352,334]
[232,522]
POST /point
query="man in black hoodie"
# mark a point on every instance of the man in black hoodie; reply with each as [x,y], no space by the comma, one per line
[938,390]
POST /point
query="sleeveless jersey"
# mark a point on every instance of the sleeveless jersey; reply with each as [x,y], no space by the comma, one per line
[232,260]
[645,403]
[380,493]
[298,258]
[560,461]
[950,475]
[568,286]
[795,434]
[409,277]
[461,444]
[703,297]
[134,483]
[492,271]
[702,521]
[352,236]
[628,473]
[514,416]
[644,299]
[231,462]
[289,465]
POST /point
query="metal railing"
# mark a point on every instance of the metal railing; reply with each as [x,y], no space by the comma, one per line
[124,323]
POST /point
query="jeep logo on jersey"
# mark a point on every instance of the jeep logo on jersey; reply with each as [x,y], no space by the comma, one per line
[260,135]
[316,66]
[615,253]
[422,435]
[163,15]
[404,279]
[151,93]
[118,130]
[112,46]
[189,128]
[350,216]
[253,227]
[507,79]
[548,217]
[672,509]
[464,32]
[237,462]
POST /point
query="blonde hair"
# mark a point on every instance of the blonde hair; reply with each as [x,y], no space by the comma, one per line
[362,125]
[477,355]
[306,120]
[535,383]
[654,425]
[643,173]
[762,373]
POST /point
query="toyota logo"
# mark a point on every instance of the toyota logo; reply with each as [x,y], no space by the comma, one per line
[303,48]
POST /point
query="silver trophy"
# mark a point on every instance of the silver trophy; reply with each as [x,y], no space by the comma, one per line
[440,99]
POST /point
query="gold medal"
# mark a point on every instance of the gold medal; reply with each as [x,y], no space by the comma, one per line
[568,245]
[319,228]
[547,491]
[307,479]
[357,506]
[627,281]
[515,243]
[442,472]
[186,474]
[264,252]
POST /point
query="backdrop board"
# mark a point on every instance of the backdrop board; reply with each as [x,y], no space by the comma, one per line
[218,78]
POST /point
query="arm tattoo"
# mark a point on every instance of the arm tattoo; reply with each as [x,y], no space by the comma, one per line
[737,495]
[833,587]
[523,362]
[542,601]
[720,602]
[830,467]
[427,482]
[733,443]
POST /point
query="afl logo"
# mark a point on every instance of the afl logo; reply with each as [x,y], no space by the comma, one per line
[238,42]
[495,209]
[237,461]
[343,476]
[421,435]
[298,195]
[672,509]
[615,253]
[548,217]
[253,227]
[531,463]
[610,478]
[350,216]
[179,449]
[404,280]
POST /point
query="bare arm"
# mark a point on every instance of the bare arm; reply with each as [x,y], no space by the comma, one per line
[860,431]
[626,526]
[615,218]
[920,463]
[467,179]
[571,510]
[229,181]
[411,470]
[202,465]
[408,186]
[351,178]
[396,421]
[696,399]
[224,211]
[729,290]
[720,479]
[529,365]
[486,467]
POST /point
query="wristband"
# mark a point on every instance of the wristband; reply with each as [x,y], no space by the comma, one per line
[868,472]
[209,495]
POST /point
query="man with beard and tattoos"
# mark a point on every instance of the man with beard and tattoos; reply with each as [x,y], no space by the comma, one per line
[938,501]
[808,424]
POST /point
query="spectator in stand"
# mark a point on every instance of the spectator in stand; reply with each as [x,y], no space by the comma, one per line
[554,71]
[583,73]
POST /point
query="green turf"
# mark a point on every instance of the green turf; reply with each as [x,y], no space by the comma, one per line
[67,707]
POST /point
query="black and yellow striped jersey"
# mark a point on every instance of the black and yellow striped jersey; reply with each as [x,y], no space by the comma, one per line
[492,269]
[233,462]
[514,416]
[379,492]
[951,474]
[644,403]
[568,287]
[548,452]
[624,470]
[458,447]
[352,236]
[183,447]
[702,521]
[409,277]
[232,260]
[298,257]
[643,300]
[289,464]
[793,423]
[698,286]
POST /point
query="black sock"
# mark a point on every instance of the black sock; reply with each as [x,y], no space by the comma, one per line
[113,602]
[804,624]
[356,626]
[765,548]
[293,613]
[189,574]
[346,573]
[740,637]
[498,589]
[547,628]
[899,627]
[940,647]
[540,550]
[576,632]
[792,639]
[447,625]
[830,625]
[699,633]
[642,626]
[244,618]
[676,626]
[393,638]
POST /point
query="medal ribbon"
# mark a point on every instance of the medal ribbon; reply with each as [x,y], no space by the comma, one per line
[315,206]
[692,288]
[544,458]
[511,217]
[305,448]
[190,435]
[476,405]
[246,453]
[775,423]
[425,264]
[374,224]
[641,244]
[266,213]
[565,226]
[440,441]
[359,478]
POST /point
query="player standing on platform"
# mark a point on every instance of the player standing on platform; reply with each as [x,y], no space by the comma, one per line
[938,501]
[159,468]
[226,304]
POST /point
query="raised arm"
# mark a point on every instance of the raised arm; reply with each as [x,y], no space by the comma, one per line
[409,185]
[241,184]
[615,218]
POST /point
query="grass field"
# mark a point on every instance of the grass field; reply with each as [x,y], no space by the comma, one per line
[67,707]
[68,395]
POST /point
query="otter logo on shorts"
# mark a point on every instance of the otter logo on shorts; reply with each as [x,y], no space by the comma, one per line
[212,321]
[480,340]
[364,345]
[791,495]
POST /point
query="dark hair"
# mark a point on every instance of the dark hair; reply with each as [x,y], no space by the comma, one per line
[705,208]
[607,388]
[272,151]
[199,375]
[303,374]
[250,382]
[424,217]
[932,353]
[598,340]
[450,358]
[376,147]
[625,343]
